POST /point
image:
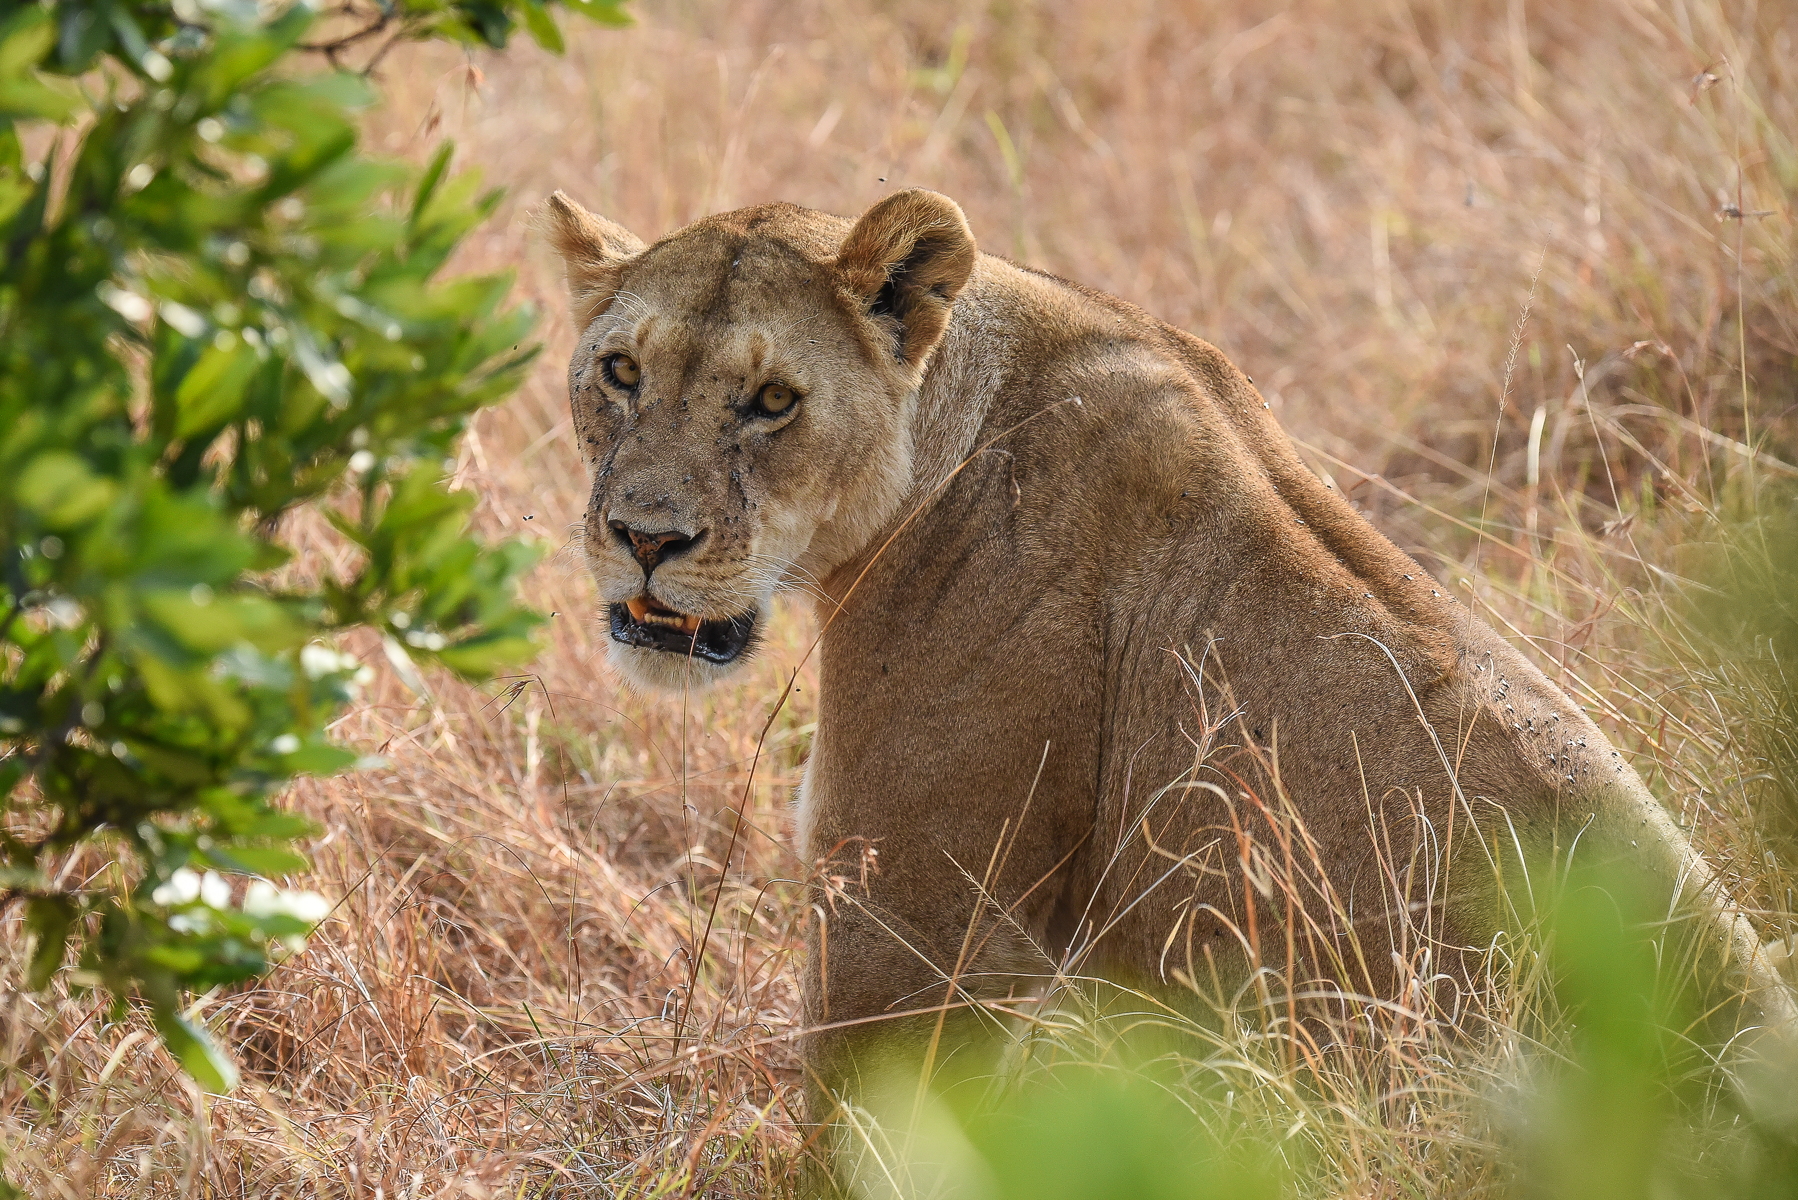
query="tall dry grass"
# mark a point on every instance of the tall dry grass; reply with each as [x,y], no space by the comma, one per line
[1353,198]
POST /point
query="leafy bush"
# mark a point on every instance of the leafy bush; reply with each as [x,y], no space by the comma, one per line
[215,310]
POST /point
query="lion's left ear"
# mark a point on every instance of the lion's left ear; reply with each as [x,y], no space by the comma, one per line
[594,250]
[906,260]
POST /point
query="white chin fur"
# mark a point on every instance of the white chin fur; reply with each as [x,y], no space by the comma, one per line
[659,671]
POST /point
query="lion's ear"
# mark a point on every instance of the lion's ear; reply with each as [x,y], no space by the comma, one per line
[594,250]
[906,260]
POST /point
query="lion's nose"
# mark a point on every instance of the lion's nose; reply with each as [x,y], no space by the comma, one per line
[651,548]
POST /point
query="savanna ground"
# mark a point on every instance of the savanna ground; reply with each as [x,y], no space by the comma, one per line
[1357,201]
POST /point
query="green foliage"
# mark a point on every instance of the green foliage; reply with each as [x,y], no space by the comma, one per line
[1101,1135]
[214,310]
[1122,1130]
[1599,1127]
[1637,1108]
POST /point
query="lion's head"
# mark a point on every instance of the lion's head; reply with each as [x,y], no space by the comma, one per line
[742,391]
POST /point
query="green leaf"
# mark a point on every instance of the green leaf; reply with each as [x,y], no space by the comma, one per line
[18,878]
[605,12]
[25,37]
[36,97]
[61,489]
[48,920]
[427,186]
[315,759]
[195,1050]
[213,391]
[479,658]
[267,861]
[83,35]
[542,26]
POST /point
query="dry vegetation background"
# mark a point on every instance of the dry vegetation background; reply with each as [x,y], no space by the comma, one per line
[1353,198]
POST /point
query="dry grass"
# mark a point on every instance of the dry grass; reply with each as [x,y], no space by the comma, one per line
[1351,198]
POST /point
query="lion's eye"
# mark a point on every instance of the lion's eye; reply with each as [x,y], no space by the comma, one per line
[776,398]
[624,371]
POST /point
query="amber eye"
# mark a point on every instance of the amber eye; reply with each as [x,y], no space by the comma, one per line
[776,398]
[624,371]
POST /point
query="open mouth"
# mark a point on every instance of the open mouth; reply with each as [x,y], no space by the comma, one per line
[646,622]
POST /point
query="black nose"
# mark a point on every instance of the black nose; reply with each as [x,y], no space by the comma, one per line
[651,549]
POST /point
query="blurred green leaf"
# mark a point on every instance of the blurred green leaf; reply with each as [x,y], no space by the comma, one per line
[543,29]
[197,1053]
[213,391]
[1128,1129]
[265,861]
[59,488]
[48,920]
[25,38]
[1114,1135]
[1602,1127]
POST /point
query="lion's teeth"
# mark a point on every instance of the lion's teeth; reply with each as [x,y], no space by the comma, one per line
[647,612]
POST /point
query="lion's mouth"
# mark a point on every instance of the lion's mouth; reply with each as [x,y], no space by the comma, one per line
[647,622]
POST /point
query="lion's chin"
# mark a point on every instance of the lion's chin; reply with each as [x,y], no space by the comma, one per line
[656,647]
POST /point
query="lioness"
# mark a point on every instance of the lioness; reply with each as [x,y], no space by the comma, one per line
[1111,681]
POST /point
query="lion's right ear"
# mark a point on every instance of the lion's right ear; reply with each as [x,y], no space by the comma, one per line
[594,250]
[906,260]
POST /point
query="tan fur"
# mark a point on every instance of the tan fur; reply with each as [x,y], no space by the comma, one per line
[1096,639]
